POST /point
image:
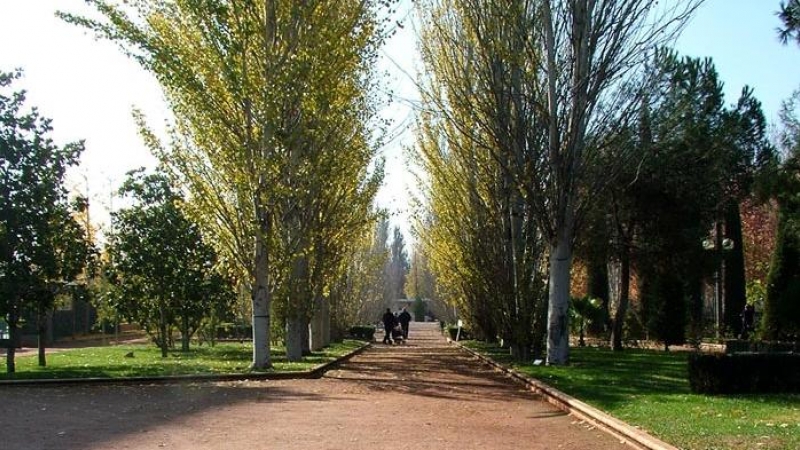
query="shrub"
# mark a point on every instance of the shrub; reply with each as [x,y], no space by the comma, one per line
[234,331]
[420,310]
[663,295]
[364,332]
[453,331]
[744,373]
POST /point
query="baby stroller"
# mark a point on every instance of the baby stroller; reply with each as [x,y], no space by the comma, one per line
[397,335]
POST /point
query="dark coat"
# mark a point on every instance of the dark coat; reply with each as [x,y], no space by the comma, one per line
[389,320]
[404,318]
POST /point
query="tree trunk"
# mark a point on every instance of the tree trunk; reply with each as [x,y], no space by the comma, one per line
[563,224]
[619,278]
[317,326]
[539,331]
[326,322]
[261,296]
[305,339]
[294,338]
[163,329]
[41,329]
[719,287]
[694,286]
[13,335]
[297,322]
[557,318]
[185,333]
[520,352]
[13,338]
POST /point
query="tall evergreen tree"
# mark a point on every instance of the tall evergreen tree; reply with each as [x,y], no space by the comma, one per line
[696,161]
[790,16]
[781,319]
[398,265]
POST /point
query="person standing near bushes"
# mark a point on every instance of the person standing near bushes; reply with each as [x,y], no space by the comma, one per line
[404,318]
[748,321]
[389,321]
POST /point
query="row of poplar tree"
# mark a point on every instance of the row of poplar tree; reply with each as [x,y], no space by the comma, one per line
[267,180]
[539,120]
[157,268]
[559,131]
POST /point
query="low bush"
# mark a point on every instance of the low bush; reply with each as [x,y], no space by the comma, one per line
[234,331]
[744,373]
[453,332]
[364,332]
[739,345]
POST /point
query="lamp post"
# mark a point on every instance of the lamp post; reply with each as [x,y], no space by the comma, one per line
[718,245]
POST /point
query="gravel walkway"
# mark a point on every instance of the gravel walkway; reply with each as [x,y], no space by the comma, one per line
[422,395]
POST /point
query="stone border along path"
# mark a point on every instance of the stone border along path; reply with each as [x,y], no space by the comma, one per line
[426,394]
[634,436]
[315,372]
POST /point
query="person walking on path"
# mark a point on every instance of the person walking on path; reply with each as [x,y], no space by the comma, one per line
[389,321]
[404,318]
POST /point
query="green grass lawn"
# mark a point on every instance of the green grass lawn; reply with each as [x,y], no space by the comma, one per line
[650,390]
[110,362]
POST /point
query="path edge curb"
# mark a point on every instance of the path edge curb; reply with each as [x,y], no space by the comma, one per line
[320,370]
[619,429]
[316,372]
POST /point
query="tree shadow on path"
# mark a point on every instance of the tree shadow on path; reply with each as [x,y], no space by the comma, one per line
[428,366]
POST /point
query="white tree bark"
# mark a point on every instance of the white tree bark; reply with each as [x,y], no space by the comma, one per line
[593,50]
[557,311]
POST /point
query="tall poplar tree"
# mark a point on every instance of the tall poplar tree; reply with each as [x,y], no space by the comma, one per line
[263,93]
[558,75]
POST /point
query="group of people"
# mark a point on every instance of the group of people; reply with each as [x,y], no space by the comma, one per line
[395,326]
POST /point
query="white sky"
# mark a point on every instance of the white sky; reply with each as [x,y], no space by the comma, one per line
[88,88]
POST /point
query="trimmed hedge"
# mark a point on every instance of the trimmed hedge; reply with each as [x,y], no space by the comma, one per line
[744,373]
[365,332]
[738,345]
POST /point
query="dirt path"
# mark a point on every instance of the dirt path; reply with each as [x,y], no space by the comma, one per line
[424,395]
